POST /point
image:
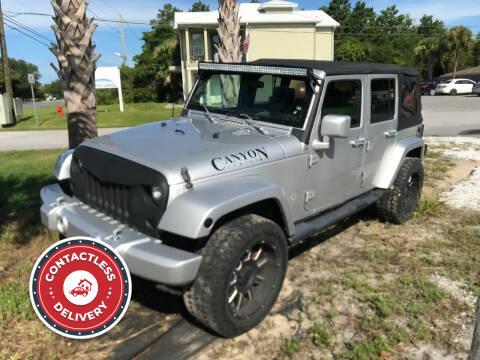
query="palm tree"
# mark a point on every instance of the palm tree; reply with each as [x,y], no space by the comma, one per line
[457,41]
[228,30]
[76,67]
[428,52]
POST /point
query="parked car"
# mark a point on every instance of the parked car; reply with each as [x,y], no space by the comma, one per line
[265,155]
[455,86]
[428,88]
[476,89]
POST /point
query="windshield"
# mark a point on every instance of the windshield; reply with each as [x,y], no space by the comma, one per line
[276,99]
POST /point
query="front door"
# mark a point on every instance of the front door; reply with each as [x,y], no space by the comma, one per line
[336,174]
[382,127]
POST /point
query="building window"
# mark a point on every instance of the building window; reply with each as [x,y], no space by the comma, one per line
[344,97]
[383,100]
[198,49]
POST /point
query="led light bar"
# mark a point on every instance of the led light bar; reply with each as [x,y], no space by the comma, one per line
[261,69]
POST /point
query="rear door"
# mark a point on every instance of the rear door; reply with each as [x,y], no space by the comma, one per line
[382,121]
[470,85]
[462,86]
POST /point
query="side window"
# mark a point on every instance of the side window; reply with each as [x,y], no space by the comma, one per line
[383,100]
[344,97]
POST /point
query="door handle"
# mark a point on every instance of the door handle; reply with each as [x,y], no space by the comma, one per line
[390,133]
[358,142]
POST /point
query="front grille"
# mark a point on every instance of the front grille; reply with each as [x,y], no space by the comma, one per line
[111,199]
[119,188]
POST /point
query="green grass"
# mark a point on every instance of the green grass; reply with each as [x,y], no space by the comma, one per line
[22,174]
[14,302]
[291,347]
[108,116]
[366,350]
[321,335]
[429,205]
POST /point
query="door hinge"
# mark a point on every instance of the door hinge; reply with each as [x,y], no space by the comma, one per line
[309,196]
[313,159]
[364,178]
[358,142]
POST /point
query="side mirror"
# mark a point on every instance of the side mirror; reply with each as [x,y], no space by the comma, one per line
[335,126]
[332,126]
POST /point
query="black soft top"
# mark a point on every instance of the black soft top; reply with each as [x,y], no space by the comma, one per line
[339,67]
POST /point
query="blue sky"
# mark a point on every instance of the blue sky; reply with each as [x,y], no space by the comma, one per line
[107,36]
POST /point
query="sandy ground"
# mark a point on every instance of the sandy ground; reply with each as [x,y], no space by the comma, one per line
[465,194]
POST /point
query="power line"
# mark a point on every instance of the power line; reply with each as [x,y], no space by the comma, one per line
[28,35]
[110,7]
[97,18]
[24,27]
[141,22]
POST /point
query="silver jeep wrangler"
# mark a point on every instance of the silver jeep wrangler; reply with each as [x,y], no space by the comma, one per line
[265,155]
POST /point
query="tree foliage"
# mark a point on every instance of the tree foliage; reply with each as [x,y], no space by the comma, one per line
[389,36]
[19,69]
[151,79]
[199,6]
[457,41]
[54,88]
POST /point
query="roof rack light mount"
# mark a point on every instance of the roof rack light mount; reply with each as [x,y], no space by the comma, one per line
[250,68]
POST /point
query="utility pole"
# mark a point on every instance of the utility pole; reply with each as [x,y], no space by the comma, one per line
[122,36]
[6,69]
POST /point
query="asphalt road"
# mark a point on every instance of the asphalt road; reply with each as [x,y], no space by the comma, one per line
[445,115]
[29,105]
[39,139]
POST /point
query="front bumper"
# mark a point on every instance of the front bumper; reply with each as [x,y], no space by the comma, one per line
[145,256]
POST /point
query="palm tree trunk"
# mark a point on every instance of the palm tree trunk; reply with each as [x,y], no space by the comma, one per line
[430,68]
[76,67]
[229,31]
[455,65]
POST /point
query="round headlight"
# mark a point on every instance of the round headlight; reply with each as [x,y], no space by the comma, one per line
[157,194]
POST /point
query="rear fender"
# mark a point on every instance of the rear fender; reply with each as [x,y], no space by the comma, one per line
[392,161]
[186,215]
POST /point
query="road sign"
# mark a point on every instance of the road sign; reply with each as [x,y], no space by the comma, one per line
[31,81]
[109,78]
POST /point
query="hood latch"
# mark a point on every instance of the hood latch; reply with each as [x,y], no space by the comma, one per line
[186,177]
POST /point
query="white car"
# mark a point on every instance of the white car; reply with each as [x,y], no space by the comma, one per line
[455,86]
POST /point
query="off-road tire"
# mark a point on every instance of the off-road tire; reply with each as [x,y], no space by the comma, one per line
[207,299]
[453,92]
[400,201]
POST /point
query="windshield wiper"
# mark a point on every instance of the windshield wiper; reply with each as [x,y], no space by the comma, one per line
[247,119]
[208,113]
